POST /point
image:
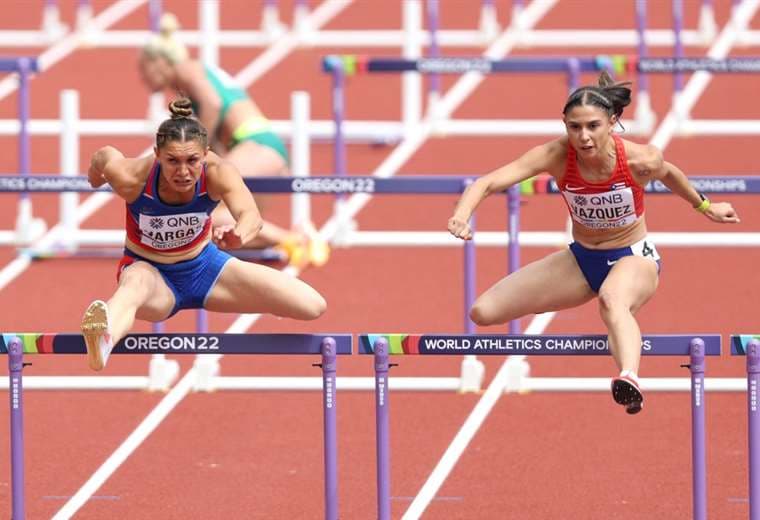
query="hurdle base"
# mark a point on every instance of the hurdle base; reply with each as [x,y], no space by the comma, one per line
[473,372]
[517,374]
[162,373]
[207,369]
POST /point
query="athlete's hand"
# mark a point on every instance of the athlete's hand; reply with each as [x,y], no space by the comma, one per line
[722,212]
[460,228]
[95,176]
[227,238]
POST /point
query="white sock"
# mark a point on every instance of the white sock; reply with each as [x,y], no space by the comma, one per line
[630,374]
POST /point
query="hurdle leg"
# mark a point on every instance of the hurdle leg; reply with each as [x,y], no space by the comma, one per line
[15,368]
[328,365]
[699,471]
[382,437]
[473,370]
[753,381]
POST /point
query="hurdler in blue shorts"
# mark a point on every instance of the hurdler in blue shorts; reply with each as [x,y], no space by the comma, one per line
[171,259]
[237,128]
[596,264]
[191,280]
[601,178]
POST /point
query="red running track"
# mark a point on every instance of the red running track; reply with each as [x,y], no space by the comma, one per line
[258,455]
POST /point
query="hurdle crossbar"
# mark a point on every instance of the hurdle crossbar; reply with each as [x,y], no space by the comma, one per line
[408,184]
[329,346]
[382,346]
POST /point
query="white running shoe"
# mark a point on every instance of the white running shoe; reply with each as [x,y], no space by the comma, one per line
[96,329]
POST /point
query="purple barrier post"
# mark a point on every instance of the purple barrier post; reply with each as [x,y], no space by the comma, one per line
[338,106]
[201,321]
[329,368]
[699,466]
[434,80]
[15,369]
[678,47]
[513,206]
[469,274]
[753,382]
[339,142]
[383,438]
[24,145]
[573,74]
[154,15]
[641,29]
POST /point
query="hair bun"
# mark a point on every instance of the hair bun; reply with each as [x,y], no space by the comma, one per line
[181,107]
[168,25]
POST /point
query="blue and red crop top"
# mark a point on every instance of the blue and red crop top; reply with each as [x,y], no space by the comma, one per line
[166,228]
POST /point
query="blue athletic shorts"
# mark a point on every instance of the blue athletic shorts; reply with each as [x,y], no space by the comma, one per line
[597,263]
[191,281]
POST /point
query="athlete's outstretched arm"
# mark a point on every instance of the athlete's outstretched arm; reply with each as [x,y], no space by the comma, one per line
[228,184]
[98,162]
[535,161]
[676,180]
[123,174]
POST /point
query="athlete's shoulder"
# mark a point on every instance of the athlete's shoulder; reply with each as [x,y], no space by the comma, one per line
[556,149]
[221,175]
[643,158]
[556,153]
[128,176]
[215,165]
[129,170]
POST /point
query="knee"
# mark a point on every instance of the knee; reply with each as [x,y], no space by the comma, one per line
[480,316]
[611,306]
[313,307]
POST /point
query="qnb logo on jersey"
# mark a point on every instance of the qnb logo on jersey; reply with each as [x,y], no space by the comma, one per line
[171,231]
[611,209]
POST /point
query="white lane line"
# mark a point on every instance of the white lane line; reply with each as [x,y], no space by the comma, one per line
[320,16]
[146,427]
[167,404]
[47,59]
[290,41]
[411,143]
[740,19]
[468,430]
[693,90]
[72,42]
[19,264]
[454,97]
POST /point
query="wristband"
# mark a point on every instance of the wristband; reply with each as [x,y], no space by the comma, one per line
[702,207]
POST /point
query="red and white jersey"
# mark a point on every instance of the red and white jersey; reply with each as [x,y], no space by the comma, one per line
[615,203]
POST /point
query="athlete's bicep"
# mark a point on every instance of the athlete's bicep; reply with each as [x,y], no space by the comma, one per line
[231,189]
[126,176]
[536,160]
[645,162]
